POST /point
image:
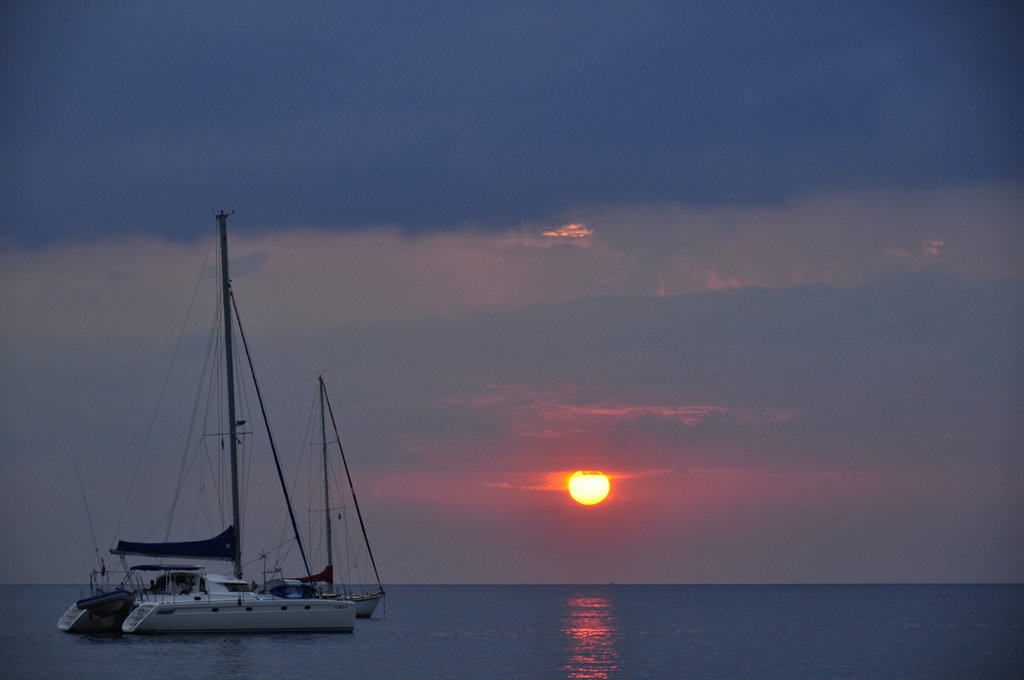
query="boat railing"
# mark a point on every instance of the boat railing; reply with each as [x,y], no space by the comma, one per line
[105,580]
[328,590]
[344,591]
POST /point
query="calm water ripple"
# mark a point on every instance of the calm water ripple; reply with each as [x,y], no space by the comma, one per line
[861,632]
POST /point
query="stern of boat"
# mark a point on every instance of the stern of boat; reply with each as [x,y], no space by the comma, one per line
[135,618]
[77,620]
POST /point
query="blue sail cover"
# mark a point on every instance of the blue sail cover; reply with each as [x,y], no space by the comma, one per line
[220,547]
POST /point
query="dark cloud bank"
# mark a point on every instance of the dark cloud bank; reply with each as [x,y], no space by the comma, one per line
[119,118]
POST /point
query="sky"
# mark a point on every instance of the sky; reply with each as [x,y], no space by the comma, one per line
[763,265]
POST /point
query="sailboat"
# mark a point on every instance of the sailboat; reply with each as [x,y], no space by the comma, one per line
[182,598]
[365,596]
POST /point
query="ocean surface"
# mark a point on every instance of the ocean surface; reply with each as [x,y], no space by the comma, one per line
[482,632]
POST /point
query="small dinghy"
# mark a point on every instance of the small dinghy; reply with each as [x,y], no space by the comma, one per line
[106,604]
[103,612]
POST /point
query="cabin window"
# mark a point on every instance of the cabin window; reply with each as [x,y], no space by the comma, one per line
[182,584]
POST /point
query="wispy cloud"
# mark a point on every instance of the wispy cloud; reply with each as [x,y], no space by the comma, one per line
[569,231]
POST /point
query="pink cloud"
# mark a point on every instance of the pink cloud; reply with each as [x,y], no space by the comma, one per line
[578,230]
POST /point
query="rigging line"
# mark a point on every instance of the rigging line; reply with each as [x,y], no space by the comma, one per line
[163,390]
[92,531]
[214,404]
[266,553]
[351,487]
[312,517]
[328,474]
[270,436]
[342,510]
[200,499]
[192,426]
[201,502]
[245,451]
[217,474]
[306,441]
[210,470]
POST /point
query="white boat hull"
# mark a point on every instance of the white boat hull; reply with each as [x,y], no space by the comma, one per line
[366,604]
[250,615]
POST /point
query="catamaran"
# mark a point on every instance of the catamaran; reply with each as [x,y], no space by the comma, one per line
[184,598]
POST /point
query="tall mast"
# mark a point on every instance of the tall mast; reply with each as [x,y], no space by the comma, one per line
[222,221]
[327,495]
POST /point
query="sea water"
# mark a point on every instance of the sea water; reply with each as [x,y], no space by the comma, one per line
[844,631]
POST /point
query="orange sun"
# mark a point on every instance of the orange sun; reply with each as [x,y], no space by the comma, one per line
[588,487]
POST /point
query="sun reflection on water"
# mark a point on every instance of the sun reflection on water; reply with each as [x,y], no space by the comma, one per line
[592,633]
